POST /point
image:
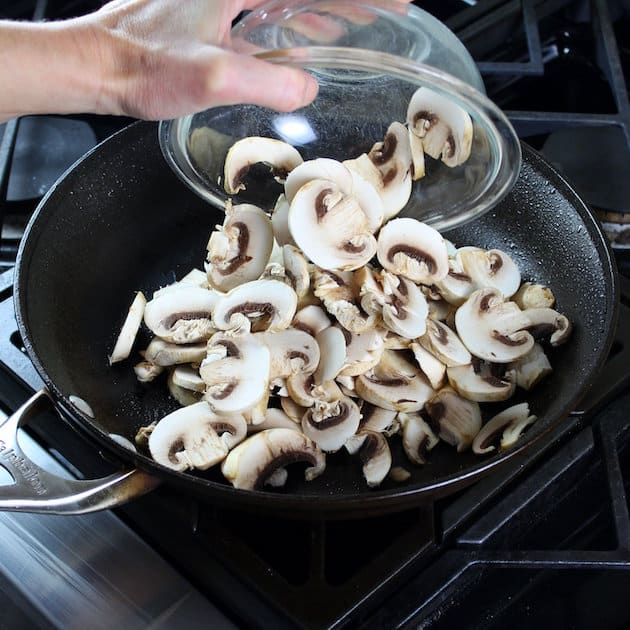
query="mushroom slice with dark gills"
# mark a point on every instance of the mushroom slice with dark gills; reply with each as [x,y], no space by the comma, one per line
[492,328]
[236,372]
[387,167]
[291,351]
[455,419]
[508,425]
[446,128]
[330,424]
[395,383]
[183,315]
[330,226]
[373,419]
[296,270]
[253,461]
[238,251]
[195,437]
[545,322]
[256,306]
[412,249]
[492,268]
[280,156]
[339,292]
[444,344]
[418,437]
[305,392]
[312,319]
[399,301]
[376,457]
[457,285]
[532,368]
[480,382]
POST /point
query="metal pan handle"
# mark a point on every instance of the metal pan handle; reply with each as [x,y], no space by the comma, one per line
[37,490]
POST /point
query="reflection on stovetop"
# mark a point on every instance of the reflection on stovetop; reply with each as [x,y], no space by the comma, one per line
[560,507]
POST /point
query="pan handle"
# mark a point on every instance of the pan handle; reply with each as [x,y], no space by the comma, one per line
[37,490]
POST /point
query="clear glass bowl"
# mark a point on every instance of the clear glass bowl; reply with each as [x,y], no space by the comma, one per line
[369,59]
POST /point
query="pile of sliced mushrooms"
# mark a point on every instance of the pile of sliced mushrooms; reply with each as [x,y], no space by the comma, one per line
[329,324]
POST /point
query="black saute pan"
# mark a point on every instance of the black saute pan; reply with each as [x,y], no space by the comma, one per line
[120,221]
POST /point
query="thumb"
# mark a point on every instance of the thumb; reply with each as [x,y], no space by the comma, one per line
[238,78]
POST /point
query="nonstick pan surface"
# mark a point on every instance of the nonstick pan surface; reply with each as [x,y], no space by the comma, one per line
[120,221]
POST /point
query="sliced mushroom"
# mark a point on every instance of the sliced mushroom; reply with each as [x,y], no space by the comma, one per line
[236,372]
[296,270]
[330,424]
[182,316]
[251,463]
[376,457]
[446,128]
[320,168]
[305,392]
[293,409]
[188,377]
[330,227]
[532,295]
[457,286]
[545,322]
[340,295]
[275,419]
[258,305]
[412,249]
[373,419]
[291,351]
[458,419]
[432,367]
[417,436]
[418,170]
[509,424]
[363,351]
[311,319]
[146,371]
[478,382]
[182,395]
[127,336]
[280,222]
[492,268]
[162,353]
[194,278]
[532,368]
[239,250]
[400,302]
[492,328]
[332,345]
[445,345]
[195,437]
[394,384]
[280,156]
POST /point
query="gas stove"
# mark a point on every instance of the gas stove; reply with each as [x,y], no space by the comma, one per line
[544,540]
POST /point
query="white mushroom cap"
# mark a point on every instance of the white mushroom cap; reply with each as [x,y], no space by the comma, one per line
[417,436]
[394,384]
[291,351]
[162,353]
[236,371]
[493,268]
[281,156]
[446,128]
[414,250]
[129,330]
[330,227]
[474,383]
[510,423]
[252,462]
[332,345]
[190,437]
[329,425]
[320,168]
[183,315]
[239,250]
[458,419]
[493,329]
[457,286]
[259,305]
